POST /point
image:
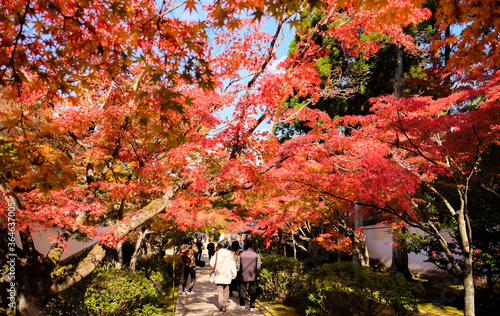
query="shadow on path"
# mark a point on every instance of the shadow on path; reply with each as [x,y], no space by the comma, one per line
[204,301]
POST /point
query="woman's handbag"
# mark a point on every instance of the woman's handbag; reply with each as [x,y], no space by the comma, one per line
[212,274]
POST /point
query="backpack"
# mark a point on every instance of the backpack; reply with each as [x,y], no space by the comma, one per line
[185,257]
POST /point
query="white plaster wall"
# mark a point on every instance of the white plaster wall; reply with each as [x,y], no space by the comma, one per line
[378,238]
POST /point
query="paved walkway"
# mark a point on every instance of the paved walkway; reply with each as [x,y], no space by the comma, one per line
[204,301]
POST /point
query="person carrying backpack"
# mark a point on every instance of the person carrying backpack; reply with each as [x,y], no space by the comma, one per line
[187,252]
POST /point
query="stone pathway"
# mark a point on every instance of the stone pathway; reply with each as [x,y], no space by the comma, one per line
[204,301]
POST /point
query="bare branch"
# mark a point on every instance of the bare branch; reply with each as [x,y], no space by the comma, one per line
[495,193]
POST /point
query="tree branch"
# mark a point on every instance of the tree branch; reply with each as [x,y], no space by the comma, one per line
[12,199]
[97,254]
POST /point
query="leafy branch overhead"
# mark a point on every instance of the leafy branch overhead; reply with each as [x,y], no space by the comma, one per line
[113,114]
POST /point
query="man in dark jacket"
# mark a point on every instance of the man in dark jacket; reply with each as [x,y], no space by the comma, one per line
[211,249]
[188,251]
[199,244]
[248,264]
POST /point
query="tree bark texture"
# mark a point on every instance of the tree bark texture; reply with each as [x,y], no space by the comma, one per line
[135,255]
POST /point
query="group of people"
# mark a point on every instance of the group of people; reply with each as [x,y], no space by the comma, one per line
[235,265]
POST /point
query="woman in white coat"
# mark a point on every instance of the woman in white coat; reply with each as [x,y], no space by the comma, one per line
[225,270]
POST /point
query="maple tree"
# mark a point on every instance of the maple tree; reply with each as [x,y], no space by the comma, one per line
[347,83]
[108,117]
[414,158]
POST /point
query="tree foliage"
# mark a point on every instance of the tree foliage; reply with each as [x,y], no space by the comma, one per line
[109,117]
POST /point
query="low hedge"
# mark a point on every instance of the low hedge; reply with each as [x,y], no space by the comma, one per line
[346,288]
[116,292]
[280,278]
[342,288]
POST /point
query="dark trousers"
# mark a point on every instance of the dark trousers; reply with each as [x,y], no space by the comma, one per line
[252,290]
[234,286]
[189,271]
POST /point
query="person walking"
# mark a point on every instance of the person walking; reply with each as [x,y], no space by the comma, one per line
[235,249]
[225,270]
[248,264]
[199,244]
[211,249]
[188,251]
[233,237]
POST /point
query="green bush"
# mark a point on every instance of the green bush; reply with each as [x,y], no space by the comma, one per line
[116,292]
[280,277]
[158,272]
[69,302]
[346,288]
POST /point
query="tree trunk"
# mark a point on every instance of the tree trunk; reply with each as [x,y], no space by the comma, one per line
[400,262]
[361,254]
[400,257]
[447,48]
[29,281]
[36,285]
[119,254]
[360,250]
[135,255]
[28,305]
[148,241]
[465,234]
[398,75]
[468,282]
[469,295]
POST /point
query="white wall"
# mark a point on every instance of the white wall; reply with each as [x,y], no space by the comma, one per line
[378,238]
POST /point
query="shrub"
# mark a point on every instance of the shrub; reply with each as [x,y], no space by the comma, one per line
[116,292]
[159,273]
[69,302]
[279,278]
[346,288]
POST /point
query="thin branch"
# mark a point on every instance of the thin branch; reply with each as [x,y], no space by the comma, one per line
[482,185]
[271,53]
[16,40]
[237,147]
[417,148]
[450,208]
[107,96]
[275,164]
